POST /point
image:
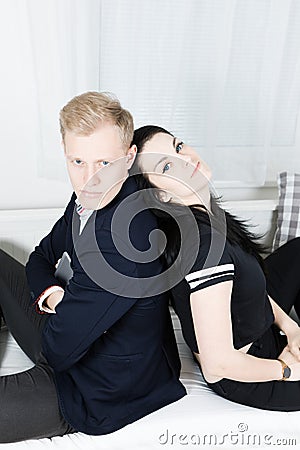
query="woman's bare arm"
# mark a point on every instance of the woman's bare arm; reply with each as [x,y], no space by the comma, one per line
[213,327]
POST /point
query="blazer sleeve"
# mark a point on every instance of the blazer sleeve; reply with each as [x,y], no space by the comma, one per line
[40,267]
[87,309]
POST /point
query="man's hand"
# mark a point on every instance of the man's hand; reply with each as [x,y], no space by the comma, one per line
[53,300]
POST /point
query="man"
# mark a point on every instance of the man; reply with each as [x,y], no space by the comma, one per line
[105,332]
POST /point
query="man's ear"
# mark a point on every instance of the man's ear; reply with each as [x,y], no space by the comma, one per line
[131,155]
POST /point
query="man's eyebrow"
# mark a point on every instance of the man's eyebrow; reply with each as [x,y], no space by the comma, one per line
[161,160]
[68,156]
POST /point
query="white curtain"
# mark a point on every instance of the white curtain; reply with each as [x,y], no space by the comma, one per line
[221,74]
[49,53]
[64,39]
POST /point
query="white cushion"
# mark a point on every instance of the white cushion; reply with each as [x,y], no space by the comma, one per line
[192,422]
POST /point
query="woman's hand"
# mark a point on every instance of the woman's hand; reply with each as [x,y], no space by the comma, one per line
[293,338]
[288,357]
[289,327]
[292,361]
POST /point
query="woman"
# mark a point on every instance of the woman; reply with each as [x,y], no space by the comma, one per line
[232,304]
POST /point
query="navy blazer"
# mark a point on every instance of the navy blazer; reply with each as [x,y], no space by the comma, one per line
[111,345]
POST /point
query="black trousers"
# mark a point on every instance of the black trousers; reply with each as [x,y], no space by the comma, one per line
[28,400]
[283,285]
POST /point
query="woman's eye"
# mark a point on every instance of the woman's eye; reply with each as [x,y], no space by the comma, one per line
[166,167]
[77,162]
[178,147]
[105,163]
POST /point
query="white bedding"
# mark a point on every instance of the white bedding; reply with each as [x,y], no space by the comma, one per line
[199,420]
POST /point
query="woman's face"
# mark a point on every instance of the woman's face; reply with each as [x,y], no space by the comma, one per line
[175,168]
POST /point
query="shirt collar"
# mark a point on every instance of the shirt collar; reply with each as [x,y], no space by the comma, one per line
[81,211]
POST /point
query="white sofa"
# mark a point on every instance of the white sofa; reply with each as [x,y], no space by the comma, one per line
[199,420]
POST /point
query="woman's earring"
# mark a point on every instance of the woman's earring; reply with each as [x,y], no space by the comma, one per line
[164,196]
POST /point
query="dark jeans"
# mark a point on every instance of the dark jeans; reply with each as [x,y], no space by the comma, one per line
[28,400]
[283,275]
[283,285]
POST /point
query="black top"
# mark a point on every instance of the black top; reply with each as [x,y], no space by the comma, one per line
[217,261]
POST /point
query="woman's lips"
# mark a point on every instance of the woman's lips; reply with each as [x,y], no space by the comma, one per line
[196,169]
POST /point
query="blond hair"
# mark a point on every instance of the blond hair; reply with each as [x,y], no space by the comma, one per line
[84,113]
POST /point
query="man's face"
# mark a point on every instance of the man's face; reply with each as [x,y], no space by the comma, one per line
[97,164]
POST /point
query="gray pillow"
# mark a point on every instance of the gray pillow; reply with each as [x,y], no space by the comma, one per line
[288,221]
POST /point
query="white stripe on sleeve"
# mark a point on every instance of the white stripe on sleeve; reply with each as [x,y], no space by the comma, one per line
[211,273]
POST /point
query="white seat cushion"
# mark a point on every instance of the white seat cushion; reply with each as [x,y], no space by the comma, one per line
[196,420]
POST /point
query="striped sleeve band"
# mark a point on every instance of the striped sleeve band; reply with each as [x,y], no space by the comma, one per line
[210,276]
